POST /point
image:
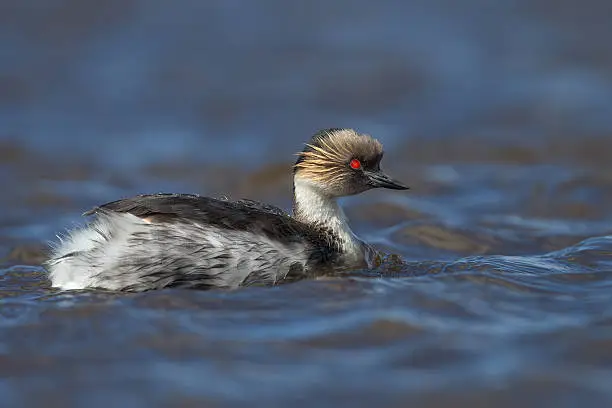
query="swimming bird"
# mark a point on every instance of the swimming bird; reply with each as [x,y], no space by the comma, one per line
[164,240]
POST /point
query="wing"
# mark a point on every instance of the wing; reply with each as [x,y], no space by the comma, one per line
[233,215]
[263,207]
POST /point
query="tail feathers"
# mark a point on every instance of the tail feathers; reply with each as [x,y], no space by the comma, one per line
[78,258]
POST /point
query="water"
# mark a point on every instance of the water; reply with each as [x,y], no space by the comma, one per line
[497,292]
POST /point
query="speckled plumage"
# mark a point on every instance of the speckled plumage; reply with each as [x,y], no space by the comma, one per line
[183,240]
[189,241]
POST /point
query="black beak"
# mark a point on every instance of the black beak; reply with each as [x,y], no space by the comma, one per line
[380,179]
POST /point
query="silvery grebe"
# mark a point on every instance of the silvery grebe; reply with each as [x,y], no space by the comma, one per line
[182,240]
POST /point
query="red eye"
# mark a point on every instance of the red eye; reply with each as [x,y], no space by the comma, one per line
[355,164]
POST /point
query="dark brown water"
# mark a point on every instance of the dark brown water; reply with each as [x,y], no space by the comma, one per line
[499,115]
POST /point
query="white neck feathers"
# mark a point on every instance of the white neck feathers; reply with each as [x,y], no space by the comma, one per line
[313,206]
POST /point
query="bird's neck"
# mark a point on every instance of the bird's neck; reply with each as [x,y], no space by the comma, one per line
[312,206]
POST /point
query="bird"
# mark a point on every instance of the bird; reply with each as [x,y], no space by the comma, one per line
[176,240]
